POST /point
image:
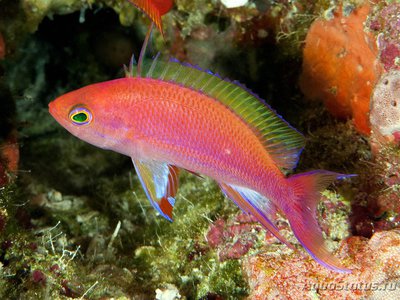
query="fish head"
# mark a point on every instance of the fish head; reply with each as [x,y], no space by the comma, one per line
[93,114]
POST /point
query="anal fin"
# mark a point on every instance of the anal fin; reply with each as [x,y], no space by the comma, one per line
[257,205]
[160,182]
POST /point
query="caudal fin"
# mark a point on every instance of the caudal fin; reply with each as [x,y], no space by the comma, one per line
[301,213]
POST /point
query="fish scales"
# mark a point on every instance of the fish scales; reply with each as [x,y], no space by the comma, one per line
[197,133]
[181,117]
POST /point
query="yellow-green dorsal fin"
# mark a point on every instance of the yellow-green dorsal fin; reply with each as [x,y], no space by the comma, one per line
[283,142]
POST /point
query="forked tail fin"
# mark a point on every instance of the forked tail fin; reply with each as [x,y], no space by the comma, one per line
[301,213]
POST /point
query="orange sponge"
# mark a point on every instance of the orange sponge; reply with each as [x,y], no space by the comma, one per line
[340,66]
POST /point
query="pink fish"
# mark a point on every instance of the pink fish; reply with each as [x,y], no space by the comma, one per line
[174,116]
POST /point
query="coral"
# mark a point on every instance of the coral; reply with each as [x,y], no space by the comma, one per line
[340,65]
[234,238]
[385,108]
[375,272]
[385,24]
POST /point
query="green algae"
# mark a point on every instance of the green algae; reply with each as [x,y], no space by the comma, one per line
[180,253]
[337,219]
[84,245]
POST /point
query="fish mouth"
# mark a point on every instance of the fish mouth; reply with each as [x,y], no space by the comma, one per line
[55,113]
[52,110]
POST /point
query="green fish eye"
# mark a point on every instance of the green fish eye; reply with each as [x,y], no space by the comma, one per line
[80,115]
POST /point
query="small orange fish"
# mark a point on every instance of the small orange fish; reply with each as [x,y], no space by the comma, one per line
[174,115]
[154,9]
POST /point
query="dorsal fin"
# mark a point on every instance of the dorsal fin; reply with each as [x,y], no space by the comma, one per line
[283,142]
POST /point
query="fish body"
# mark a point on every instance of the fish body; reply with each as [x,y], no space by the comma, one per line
[151,119]
[179,117]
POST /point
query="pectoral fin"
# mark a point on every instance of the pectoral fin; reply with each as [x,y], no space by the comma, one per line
[160,182]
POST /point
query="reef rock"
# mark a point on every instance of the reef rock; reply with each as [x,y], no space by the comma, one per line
[375,272]
[385,107]
[385,23]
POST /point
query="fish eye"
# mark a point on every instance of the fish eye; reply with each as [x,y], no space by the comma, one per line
[80,115]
